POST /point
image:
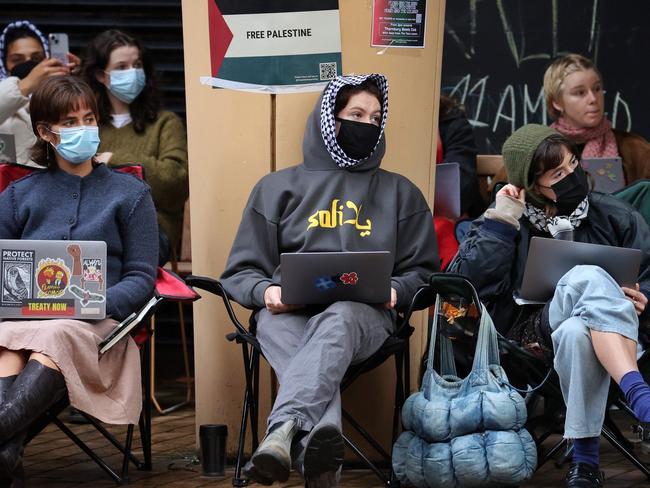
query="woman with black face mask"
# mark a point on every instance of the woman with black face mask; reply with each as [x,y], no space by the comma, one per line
[589,329]
[337,200]
[24,63]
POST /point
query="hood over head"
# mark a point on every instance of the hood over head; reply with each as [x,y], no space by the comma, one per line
[19,24]
[321,151]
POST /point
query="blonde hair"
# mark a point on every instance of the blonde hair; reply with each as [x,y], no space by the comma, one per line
[557,72]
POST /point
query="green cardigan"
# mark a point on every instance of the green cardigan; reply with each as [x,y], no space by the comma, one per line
[162,150]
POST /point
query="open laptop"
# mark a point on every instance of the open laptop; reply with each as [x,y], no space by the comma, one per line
[7,148]
[550,259]
[607,173]
[446,196]
[328,277]
[53,279]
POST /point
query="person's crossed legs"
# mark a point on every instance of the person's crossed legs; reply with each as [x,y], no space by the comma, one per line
[595,328]
[310,354]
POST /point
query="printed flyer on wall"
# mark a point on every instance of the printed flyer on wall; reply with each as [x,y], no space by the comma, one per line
[398,23]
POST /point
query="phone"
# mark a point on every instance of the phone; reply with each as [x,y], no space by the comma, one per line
[59,46]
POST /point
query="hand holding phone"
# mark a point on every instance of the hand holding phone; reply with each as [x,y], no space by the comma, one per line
[59,46]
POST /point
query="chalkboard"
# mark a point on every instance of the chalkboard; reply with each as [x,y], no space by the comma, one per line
[496,52]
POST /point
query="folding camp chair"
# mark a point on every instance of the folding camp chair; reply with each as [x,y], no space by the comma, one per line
[168,286]
[397,346]
[10,172]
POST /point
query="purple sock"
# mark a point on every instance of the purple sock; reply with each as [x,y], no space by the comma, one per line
[637,394]
[586,450]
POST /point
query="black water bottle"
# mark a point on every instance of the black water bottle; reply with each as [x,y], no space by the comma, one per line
[213,448]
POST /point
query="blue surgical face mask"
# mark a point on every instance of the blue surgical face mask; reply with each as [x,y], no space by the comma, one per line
[78,144]
[126,84]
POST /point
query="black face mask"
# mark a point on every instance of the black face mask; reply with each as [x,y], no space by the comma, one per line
[23,69]
[570,191]
[357,139]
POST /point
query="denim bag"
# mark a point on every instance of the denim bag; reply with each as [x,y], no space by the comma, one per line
[464,432]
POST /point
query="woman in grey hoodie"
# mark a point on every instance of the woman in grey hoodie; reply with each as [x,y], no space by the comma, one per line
[338,199]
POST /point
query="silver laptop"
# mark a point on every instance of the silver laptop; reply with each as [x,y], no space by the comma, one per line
[550,259]
[7,148]
[446,197]
[607,173]
[328,277]
[53,279]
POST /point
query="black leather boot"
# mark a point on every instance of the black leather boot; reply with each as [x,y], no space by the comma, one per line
[5,383]
[11,454]
[35,389]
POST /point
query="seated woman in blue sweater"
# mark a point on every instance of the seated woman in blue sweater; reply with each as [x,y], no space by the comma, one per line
[74,198]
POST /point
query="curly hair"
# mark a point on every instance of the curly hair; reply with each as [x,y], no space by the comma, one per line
[144,109]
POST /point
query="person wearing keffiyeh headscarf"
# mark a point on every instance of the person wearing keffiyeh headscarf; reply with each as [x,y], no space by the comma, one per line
[24,63]
[338,199]
[589,329]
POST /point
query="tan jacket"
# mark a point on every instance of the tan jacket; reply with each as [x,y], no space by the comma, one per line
[635,153]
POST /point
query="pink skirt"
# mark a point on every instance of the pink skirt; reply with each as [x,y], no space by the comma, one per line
[107,387]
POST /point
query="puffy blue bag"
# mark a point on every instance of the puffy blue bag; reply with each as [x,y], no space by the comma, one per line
[464,432]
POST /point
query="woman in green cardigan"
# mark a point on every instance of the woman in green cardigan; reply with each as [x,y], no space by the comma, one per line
[132,127]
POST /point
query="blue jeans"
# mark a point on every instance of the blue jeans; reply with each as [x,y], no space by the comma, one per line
[586,298]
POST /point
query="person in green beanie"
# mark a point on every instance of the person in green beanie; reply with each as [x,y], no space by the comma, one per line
[589,329]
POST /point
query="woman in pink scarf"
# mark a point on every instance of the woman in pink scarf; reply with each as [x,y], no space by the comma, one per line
[573,88]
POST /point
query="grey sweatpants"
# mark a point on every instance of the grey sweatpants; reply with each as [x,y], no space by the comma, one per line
[586,298]
[310,354]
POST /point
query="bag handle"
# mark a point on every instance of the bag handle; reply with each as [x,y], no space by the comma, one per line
[487,345]
[447,362]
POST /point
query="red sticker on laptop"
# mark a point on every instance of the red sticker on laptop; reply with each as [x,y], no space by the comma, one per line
[52,278]
[349,278]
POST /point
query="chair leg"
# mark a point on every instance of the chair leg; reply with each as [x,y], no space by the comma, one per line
[89,452]
[612,439]
[186,361]
[145,418]
[255,400]
[127,453]
[399,394]
[386,481]
[237,479]
[544,457]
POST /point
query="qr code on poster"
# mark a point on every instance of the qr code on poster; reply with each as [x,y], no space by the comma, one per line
[327,71]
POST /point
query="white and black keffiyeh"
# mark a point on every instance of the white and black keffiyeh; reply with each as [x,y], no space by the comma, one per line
[16,25]
[328,124]
[559,223]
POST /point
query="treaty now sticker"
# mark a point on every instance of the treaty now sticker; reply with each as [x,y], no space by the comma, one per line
[35,308]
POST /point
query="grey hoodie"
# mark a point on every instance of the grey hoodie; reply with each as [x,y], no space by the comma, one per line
[319,206]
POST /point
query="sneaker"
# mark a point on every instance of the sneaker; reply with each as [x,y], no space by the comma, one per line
[272,459]
[323,456]
[584,475]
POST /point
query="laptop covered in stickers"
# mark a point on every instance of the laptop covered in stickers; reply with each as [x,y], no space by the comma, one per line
[52,279]
[312,278]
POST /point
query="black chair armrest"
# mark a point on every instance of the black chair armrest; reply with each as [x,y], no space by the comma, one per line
[444,283]
[216,288]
